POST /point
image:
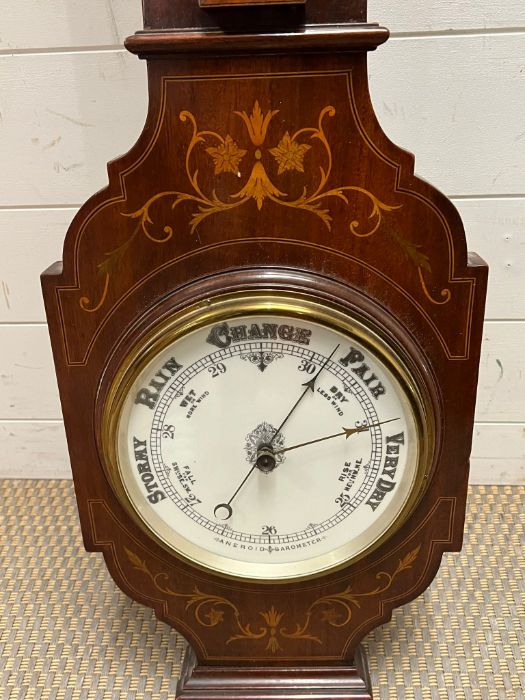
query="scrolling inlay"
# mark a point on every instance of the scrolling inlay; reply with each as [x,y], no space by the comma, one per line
[289,154]
[334,609]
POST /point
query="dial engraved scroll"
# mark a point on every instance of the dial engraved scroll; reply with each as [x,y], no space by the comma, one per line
[227,157]
[262,359]
[335,609]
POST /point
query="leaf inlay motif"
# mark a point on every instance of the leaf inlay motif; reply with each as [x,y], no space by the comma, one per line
[334,609]
[229,160]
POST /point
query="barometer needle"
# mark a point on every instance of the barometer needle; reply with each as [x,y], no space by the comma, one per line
[310,386]
[346,431]
[227,506]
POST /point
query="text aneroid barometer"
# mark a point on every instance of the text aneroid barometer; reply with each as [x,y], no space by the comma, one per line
[262,329]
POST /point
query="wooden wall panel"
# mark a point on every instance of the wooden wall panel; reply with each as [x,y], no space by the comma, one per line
[502,372]
[457,103]
[42,24]
[448,86]
[446,15]
[33,239]
[498,454]
[33,450]
[63,132]
[28,388]
[494,230]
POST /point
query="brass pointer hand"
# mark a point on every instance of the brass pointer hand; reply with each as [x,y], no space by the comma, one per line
[346,431]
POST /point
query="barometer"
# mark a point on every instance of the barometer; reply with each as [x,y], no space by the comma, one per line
[266,332]
[266,437]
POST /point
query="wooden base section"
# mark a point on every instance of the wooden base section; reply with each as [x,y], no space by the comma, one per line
[279,683]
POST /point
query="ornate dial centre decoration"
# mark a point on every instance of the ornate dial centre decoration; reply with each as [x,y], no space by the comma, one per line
[263,435]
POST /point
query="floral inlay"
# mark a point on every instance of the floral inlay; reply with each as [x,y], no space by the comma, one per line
[335,609]
[292,154]
[258,187]
[226,156]
[257,124]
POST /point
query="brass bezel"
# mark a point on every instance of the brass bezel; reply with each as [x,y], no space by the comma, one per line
[271,302]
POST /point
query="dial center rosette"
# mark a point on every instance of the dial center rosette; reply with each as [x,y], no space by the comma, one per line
[261,445]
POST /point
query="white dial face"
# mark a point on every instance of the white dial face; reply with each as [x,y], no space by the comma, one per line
[267,447]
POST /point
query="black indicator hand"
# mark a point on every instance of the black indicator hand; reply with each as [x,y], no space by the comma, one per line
[227,507]
[310,386]
[224,511]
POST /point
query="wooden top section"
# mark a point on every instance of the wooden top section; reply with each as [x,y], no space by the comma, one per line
[238,3]
[251,26]
[189,14]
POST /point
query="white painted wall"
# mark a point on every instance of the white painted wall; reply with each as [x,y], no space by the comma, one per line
[449,86]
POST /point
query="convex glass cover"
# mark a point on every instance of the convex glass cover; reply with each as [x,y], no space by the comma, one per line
[266,436]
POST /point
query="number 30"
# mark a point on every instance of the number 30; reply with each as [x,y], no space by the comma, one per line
[307,367]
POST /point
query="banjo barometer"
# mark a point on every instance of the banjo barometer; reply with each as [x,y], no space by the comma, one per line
[266,332]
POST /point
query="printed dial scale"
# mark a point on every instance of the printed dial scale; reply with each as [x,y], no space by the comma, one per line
[267,446]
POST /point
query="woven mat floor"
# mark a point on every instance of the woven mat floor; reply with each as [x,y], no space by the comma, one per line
[67,632]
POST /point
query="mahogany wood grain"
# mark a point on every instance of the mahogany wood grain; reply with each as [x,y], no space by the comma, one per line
[357,37]
[239,3]
[187,14]
[349,682]
[344,219]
